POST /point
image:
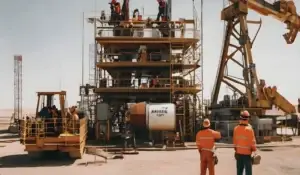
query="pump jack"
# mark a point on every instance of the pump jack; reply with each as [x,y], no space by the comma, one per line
[257,95]
[257,98]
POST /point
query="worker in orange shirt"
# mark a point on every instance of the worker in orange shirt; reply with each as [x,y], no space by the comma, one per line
[118,8]
[244,144]
[205,140]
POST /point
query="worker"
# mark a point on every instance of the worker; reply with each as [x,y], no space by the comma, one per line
[118,11]
[118,8]
[205,140]
[45,112]
[103,16]
[161,9]
[113,4]
[54,111]
[155,82]
[244,144]
[135,14]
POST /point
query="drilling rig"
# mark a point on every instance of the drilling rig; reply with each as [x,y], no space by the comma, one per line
[256,97]
[146,76]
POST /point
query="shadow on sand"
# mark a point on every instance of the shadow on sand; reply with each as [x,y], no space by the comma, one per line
[97,162]
[46,159]
[10,136]
[5,134]
[3,131]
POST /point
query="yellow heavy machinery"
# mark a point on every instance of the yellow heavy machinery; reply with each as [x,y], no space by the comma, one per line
[54,129]
[257,97]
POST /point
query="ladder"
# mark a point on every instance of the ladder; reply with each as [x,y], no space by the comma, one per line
[180,115]
[188,120]
[92,106]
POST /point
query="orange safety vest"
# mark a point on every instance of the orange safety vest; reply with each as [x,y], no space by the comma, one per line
[243,139]
[205,139]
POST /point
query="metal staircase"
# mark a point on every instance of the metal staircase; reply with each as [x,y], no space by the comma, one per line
[92,81]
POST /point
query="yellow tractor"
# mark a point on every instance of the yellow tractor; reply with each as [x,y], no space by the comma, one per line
[54,128]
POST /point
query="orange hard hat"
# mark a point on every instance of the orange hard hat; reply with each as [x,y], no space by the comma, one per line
[206,123]
[245,115]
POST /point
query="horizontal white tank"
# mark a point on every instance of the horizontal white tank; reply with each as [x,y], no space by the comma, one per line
[161,117]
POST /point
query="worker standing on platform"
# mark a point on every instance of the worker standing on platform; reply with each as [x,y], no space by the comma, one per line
[161,9]
[205,140]
[244,144]
[113,4]
[118,11]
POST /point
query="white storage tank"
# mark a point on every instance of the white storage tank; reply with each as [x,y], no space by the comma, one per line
[154,116]
[161,117]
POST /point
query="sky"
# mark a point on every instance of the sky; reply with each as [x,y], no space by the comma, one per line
[48,34]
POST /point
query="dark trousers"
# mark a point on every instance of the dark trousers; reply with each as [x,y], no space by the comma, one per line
[243,162]
[161,12]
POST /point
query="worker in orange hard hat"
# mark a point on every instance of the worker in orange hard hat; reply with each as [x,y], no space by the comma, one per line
[244,144]
[205,140]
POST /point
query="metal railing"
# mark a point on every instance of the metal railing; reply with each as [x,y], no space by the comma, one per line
[51,127]
[147,82]
[103,17]
[154,57]
[140,32]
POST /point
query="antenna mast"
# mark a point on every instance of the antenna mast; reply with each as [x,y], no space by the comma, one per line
[17,87]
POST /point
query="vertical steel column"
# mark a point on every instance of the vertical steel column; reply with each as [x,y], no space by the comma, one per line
[17,87]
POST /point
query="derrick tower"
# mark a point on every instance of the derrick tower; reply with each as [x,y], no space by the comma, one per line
[143,60]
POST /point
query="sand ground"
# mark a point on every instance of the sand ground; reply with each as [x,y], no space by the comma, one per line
[275,161]
[279,160]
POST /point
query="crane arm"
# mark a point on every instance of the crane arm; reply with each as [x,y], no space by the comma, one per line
[272,97]
[282,10]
